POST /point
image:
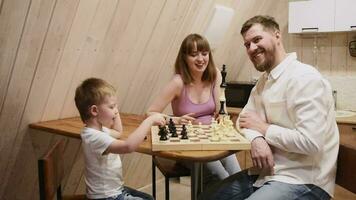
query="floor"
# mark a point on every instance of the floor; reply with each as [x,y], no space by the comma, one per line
[180,190]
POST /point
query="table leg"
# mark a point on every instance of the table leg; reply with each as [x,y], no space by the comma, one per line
[196,180]
[153,179]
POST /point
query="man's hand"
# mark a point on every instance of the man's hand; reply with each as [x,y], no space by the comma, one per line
[252,120]
[261,154]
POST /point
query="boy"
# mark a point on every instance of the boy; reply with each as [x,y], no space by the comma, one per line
[96,102]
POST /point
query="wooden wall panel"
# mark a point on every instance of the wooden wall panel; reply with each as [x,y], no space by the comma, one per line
[10,34]
[93,40]
[47,47]
[135,53]
[155,51]
[44,34]
[19,85]
[67,65]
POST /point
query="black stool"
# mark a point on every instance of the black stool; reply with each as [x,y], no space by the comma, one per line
[169,169]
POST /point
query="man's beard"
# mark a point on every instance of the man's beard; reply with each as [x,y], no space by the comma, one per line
[267,64]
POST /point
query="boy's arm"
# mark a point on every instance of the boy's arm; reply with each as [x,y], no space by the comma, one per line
[116,129]
[115,134]
[133,141]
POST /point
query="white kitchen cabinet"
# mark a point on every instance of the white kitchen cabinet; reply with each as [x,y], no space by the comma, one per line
[311,16]
[345,17]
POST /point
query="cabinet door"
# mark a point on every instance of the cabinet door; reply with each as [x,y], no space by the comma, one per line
[311,16]
[345,17]
[347,134]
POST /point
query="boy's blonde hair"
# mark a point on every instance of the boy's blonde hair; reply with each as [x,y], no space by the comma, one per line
[91,91]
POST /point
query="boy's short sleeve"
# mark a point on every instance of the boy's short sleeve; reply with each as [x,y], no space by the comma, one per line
[97,141]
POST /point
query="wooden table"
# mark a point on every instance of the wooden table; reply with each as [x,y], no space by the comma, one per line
[71,127]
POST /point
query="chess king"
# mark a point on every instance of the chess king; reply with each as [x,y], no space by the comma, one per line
[222,111]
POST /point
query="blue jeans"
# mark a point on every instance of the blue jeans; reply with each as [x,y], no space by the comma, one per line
[240,186]
[130,194]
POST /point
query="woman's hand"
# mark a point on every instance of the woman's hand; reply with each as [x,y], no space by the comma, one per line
[186,118]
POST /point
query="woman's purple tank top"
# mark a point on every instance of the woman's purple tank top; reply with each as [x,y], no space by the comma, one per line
[203,112]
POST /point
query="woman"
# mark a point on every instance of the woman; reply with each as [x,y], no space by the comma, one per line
[194,94]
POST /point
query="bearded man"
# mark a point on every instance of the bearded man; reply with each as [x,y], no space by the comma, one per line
[290,121]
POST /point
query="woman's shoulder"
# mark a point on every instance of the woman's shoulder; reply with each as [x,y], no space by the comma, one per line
[176,85]
[177,81]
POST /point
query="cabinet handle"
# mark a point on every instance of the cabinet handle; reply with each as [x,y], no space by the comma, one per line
[310,29]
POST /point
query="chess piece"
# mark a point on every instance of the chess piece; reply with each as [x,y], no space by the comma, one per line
[172,128]
[171,125]
[163,133]
[190,127]
[174,133]
[222,92]
[199,130]
[223,75]
[184,133]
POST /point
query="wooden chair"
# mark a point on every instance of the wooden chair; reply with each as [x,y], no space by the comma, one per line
[346,176]
[169,169]
[51,173]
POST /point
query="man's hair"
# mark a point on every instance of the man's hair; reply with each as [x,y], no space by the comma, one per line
[187,48]
[91,91]
[268,23]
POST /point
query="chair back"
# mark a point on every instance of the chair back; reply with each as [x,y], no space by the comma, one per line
[51,172]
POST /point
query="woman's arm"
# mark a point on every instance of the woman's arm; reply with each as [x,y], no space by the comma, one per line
[166,96]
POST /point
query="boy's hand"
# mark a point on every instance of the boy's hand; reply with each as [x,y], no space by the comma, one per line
[157,119]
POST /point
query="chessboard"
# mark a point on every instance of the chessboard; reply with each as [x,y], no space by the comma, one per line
[197,137]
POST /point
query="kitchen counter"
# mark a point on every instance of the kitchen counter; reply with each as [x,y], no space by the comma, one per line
[346,120]
[343,120]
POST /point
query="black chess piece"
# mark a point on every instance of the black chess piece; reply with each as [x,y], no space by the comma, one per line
[163,133]
[171,123]
[184,133]
[222,110]
[223,86]
[161,130]
[174,133]
[172,127]
[223,75]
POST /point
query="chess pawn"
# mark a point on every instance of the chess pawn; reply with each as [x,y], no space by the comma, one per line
[230,132]
[213,122]
[174,133]
[164,134]
[199,129]
[171,126]
[161,130]
[228,121]
[190,126]
[200,125]
[184,133]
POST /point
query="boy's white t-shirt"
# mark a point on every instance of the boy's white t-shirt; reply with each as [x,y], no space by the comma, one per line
[103,173]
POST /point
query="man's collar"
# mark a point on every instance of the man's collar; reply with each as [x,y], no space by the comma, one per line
[280,68]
